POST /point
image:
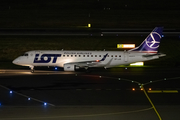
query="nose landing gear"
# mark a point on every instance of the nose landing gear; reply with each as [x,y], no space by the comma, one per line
[32,69]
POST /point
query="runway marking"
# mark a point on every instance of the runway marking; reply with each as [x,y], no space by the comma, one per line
[142,86]
[151,103]
[90,115]
[154,91]
[162,91]
[170,91]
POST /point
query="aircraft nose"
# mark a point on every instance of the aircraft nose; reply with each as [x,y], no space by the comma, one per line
[15,61]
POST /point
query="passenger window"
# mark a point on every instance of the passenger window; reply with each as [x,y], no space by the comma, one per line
[95,55]
[115,55]
[87,55]
[63,55]
[67,55]
[91,55]
[119,55]
[79,55]
[84,56]
[111,55]
[99,55]
[75,55]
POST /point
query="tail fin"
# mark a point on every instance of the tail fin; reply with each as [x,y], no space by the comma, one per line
[151,43]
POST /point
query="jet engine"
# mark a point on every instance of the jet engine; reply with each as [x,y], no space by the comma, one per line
[70,67]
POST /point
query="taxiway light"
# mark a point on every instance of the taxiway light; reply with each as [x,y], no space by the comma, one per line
[45,104]
[150,89]
[164,78]
[55,68]
[141,88]
[133,89]
[125,45]
[29,98]
[10,92]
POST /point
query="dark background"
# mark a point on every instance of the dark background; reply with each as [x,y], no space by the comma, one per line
[100,13]
[76,14]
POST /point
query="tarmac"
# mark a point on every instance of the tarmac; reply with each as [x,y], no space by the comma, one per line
[101,94]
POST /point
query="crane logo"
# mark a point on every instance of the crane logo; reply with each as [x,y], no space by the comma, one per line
[151,40]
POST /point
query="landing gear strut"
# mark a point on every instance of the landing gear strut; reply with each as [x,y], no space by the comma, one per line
[32,69]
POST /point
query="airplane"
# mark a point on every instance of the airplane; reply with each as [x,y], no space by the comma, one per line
[74,60]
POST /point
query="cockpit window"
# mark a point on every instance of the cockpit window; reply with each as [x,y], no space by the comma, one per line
[25,54]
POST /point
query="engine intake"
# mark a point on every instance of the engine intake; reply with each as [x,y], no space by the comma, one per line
[70,67]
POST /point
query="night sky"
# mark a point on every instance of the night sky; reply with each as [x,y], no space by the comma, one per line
[100,13]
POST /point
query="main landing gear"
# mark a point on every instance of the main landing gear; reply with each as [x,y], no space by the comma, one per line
[32,69]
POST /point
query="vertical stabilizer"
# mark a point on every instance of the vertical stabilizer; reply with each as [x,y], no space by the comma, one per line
[151,43]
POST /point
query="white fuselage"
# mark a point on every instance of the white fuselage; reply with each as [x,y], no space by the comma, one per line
[80,58]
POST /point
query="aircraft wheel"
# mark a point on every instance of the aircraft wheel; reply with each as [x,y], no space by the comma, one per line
[32,71]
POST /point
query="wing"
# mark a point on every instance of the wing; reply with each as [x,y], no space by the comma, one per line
[90,63]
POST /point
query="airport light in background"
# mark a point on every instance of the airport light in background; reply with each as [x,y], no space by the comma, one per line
[125,45]
[89,25]
[137,64]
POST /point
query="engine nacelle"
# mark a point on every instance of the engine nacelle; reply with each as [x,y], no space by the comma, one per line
[70,67]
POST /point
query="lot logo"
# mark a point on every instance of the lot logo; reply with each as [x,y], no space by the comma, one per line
[151,40]
[46,58]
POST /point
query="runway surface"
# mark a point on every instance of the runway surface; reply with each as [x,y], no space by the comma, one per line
[101,94]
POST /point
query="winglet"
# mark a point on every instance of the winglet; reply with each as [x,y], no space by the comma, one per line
[104,57]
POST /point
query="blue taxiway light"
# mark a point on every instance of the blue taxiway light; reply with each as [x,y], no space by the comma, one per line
[55,68]
[10,92]
[29,98]
[45,104]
